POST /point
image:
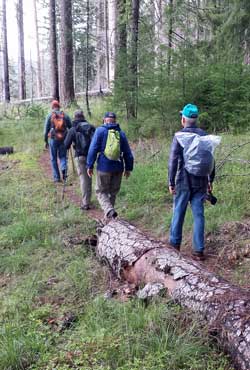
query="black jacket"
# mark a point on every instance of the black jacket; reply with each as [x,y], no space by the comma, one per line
[85,128]
[177,175]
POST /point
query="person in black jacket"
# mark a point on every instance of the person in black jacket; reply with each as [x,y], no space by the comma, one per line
[186,187]
[80,135]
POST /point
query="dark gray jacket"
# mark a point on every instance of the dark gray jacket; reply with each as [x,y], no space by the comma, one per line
[177,175]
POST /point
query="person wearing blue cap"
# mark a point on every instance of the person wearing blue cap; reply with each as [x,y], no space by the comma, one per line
[114,159]
[186,187]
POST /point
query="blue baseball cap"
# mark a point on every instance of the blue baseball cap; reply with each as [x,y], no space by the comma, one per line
[109,115]
[190,111]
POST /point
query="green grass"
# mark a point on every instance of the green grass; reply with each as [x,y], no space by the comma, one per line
[44,276]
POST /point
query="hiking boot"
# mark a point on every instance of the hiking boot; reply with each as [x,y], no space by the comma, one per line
[175,246]
[64,175]
[112,214]
[86,207]
[198,255]
[57,180]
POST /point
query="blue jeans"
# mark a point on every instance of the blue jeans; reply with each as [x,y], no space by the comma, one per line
[57,150]
[181,200]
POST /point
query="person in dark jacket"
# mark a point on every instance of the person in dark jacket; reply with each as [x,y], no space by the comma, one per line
[54,137]
[186,188]
[109,172]
[81,135]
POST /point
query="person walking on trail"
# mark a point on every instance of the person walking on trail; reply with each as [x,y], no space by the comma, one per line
[55,128]
[81,135]
[186,187]
[114,160]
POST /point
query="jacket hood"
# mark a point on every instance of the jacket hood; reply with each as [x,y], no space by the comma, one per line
[114,126]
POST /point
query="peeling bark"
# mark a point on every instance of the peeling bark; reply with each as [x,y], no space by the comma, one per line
[141,260]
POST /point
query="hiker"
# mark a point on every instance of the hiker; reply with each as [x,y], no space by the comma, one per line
[55,128]
[114,160]
[186,187]
[80,135]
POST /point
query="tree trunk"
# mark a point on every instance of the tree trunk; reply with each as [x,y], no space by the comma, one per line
[53,50]
[21,58]
[87,61]
[101,71]
[106,20]
[6,81]
[133,67]
[39,70]
[170,35]
[112,23]
[141,260]
[67,80]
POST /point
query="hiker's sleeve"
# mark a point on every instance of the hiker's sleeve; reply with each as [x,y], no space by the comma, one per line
[68,122]
[127,154]
[212,175]
[173,161]
[94,149]
[69,138]
[47,124]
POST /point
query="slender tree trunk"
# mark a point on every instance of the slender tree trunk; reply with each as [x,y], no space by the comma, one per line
[106,20]
[170,35]
[101,71]
[112,21]
[21,58]
[87,61]
[140,260]
[66,54]
[133,68]
[39,69]
[6,82]
[53,50]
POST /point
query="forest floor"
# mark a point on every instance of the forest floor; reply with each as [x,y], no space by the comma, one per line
[55,294]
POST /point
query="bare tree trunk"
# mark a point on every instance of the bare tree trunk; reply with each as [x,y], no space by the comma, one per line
[6,82]
[21,58]
[133,67]
[39,70]
[140,260]
[106,20]
[87,61]
[53,50]
[112,18]
[170,35]
[67,83]
[101,71]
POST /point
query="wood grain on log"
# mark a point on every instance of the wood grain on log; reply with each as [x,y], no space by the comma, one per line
[141,260]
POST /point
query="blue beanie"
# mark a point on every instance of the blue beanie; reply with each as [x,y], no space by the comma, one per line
[109,115]
[190,111]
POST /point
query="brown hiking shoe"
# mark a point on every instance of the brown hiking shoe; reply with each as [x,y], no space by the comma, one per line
[199,256]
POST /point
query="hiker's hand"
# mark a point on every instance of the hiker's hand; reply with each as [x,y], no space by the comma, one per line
[90,172]
[209,187]
[46,146]
[126,174]
[172,190]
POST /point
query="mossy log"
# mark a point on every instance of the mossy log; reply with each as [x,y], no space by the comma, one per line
[6,150]
[141,260]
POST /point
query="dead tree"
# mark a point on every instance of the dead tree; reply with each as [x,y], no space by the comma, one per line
[53,50]
[141,260]
[21,58]
[39,68]
[6,82]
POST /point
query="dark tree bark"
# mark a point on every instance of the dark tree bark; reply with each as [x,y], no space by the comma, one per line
[39,69]
[133,67]
[170,35]
[53,50]
[66,53]
[6,81]
[141,260]
[21,58]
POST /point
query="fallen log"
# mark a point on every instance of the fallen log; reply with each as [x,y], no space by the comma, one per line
[6,150]
[140,260]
